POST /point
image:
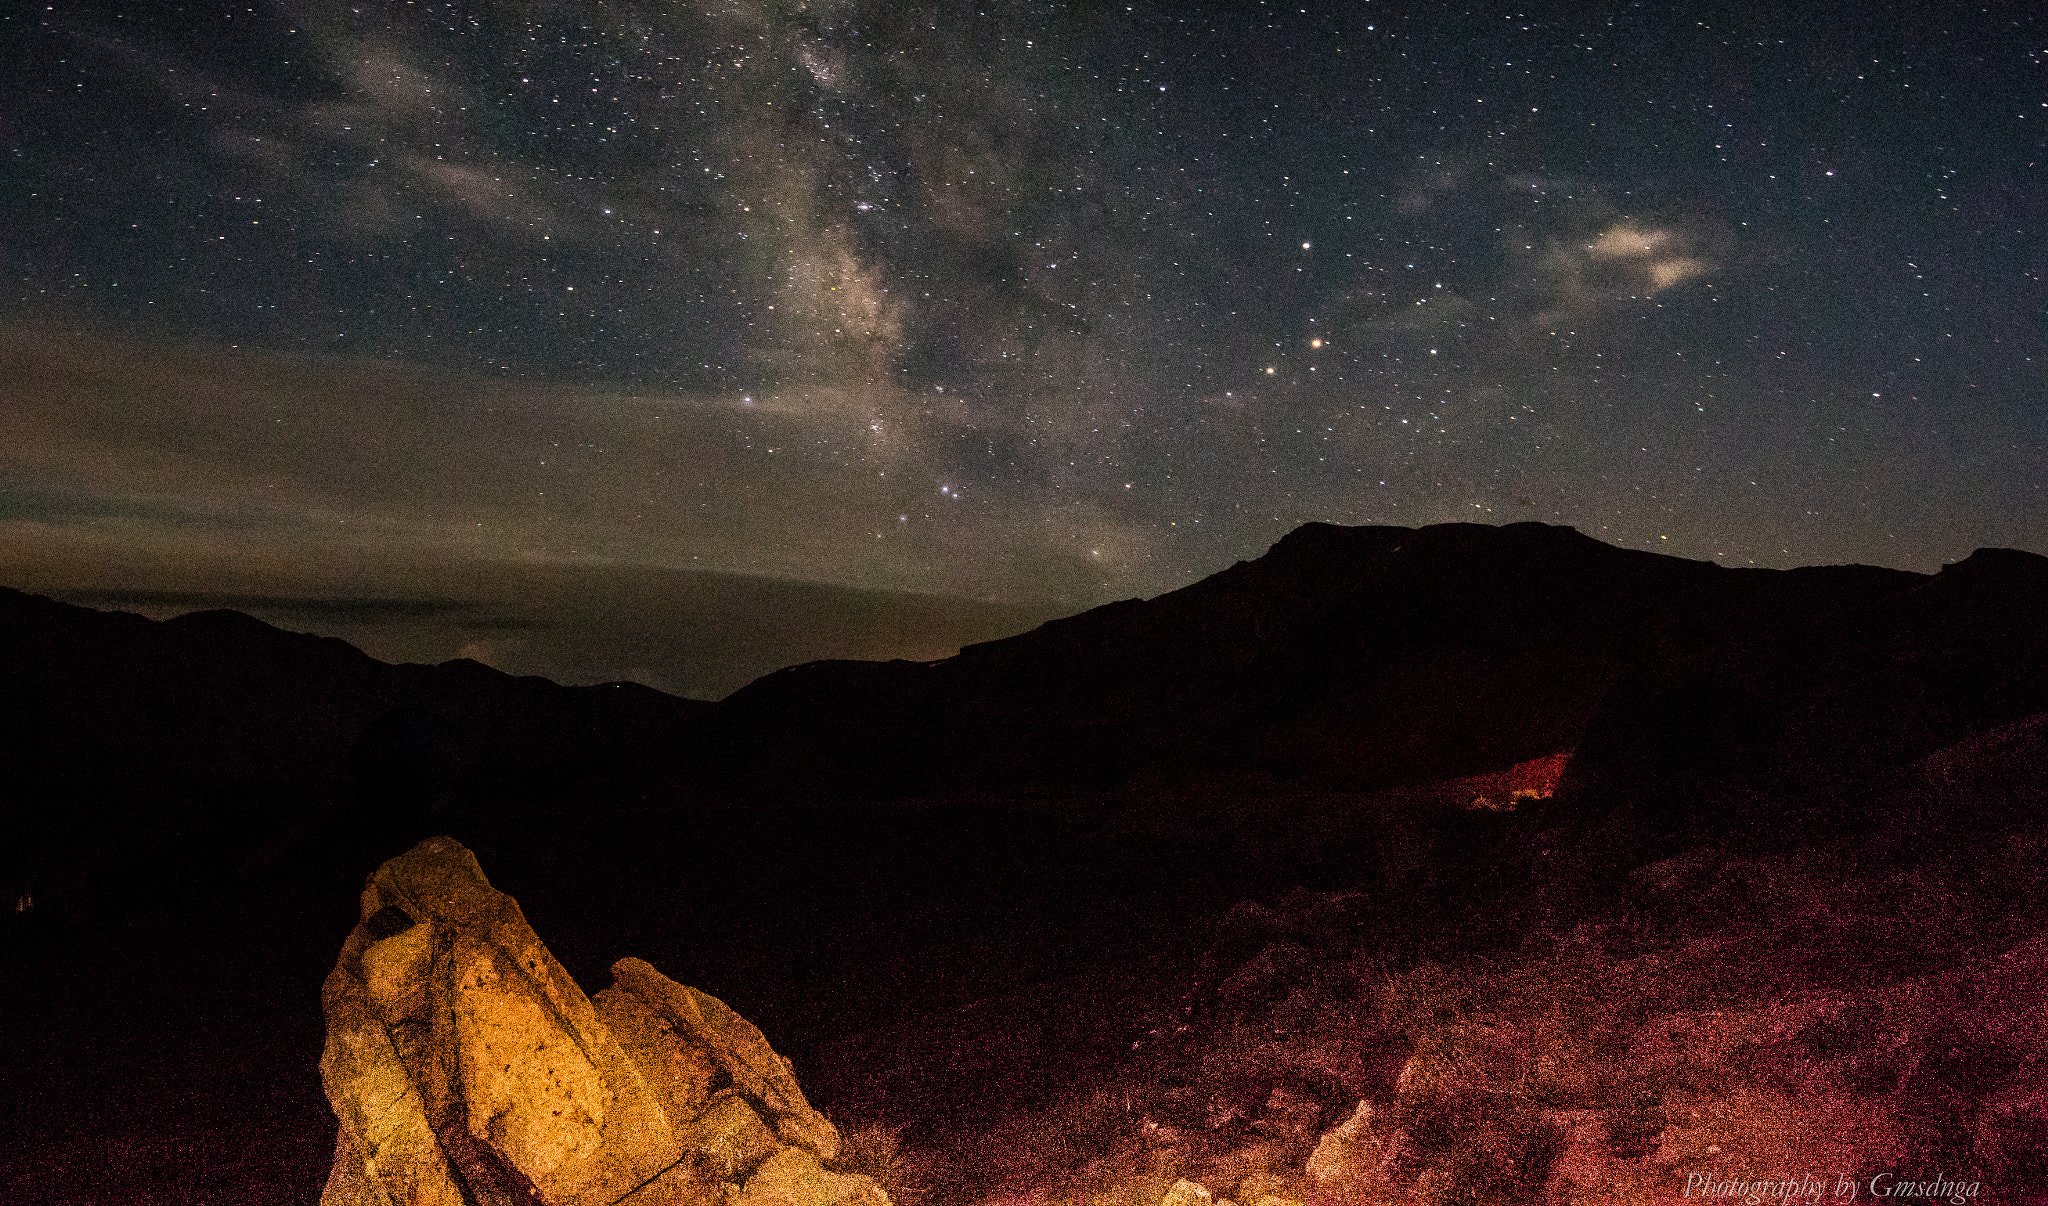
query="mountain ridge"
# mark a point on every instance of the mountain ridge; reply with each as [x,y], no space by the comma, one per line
[1332,630]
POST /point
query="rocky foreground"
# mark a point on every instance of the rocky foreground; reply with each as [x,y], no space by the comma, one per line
[1805,1024]
[467,1069]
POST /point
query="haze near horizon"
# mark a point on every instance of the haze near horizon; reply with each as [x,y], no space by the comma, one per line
[1026,307]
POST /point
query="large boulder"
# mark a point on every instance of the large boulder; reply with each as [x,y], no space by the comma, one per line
[468,1069]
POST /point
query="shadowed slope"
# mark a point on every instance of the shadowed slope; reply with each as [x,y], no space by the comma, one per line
[1350,657]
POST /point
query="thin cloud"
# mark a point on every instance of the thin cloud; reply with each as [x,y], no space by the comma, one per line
[1660,253]
[258,454]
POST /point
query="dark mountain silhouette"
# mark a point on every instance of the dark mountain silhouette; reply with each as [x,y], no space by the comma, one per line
[1781,735]
[1353,658]
[217,737]
[1345,659]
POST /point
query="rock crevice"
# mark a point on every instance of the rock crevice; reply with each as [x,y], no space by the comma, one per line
[468,1069]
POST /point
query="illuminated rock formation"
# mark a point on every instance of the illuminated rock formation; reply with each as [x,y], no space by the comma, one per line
[468,1069]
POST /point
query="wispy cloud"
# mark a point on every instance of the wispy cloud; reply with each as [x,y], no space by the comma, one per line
[1622,262]
[259,454]
[1661,253]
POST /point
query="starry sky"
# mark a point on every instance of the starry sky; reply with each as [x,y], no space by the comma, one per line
[1029,305]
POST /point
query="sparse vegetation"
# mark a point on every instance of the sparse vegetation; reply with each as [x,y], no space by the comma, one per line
[877,1150]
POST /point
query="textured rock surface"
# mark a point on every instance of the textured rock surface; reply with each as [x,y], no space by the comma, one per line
[468,1069]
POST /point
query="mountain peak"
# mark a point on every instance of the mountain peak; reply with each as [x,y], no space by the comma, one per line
[2001,565]
[1285,665]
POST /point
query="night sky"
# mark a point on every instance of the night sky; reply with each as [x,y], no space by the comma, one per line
[1026,303]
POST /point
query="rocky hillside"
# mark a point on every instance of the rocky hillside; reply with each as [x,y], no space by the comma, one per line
[1869,1012]
[1721,1023]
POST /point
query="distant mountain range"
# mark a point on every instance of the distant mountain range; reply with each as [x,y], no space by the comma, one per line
[1345,658]
[1362,658]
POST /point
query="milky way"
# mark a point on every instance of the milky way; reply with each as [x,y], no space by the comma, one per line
[1038,303]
